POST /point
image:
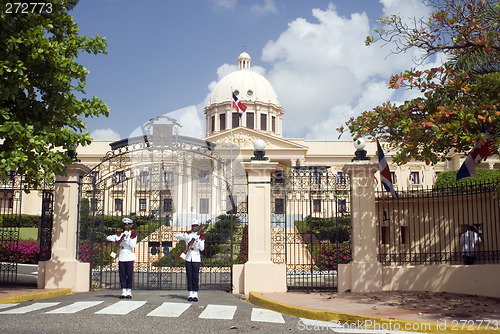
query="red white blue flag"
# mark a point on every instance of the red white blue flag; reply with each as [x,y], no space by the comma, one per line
[238,105]
[482,149]
[385,173]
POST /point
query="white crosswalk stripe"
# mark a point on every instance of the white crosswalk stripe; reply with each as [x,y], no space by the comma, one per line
[8,305]
[218,312]
[263,315]
[29,308]
[121,307]
[171,310]
[75,307]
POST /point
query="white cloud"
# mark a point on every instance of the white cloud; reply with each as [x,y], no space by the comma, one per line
[324,70]
[227,4]
[407,9]
[268,7]
[105,134]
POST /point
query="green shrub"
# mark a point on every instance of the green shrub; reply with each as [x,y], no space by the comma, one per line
[333,229]
[447,180]
[19,221]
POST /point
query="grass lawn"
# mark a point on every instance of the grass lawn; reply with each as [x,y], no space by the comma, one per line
[27,233]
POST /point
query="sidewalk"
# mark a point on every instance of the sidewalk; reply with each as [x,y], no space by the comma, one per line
[440,312]
[434,312]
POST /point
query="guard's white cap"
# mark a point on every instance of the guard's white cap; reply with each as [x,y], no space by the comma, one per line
[195,222]
[127,221]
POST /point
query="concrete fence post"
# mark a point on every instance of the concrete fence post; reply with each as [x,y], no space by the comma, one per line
[364,273]
[63,270]
[259,273]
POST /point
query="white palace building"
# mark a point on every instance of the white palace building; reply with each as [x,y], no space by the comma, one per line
[263,119]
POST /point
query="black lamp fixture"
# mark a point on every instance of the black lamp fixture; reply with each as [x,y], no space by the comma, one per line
[259,153]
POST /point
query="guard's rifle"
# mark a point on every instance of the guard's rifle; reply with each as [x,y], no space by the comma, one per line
[116,247]
[188,246]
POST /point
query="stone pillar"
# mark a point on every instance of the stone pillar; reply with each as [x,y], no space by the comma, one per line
[364,273]
[259,274]
[63,270]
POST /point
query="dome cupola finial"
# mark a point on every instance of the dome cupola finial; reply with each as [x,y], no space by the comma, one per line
[244,61]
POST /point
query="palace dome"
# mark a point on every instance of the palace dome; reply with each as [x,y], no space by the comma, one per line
[247,85]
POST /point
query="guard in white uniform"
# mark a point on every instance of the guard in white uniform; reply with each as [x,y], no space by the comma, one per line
[196,243]
[126,241]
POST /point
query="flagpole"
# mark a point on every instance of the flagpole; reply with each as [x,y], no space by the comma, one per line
[231,109]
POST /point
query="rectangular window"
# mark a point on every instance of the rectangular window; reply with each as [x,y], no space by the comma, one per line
[167,205]
[342,205]
[279,205]
[404,235]
[204,176]
[236,120]
[169,178]
[385,236]
[250,124]
[119,176]
[341,178]
[279,177]
[414,177]
[394,178]
[93,205]
[144,177]
[118,204]
[263,121]
[222,119]
[213,124]
[10,204]
[316,176]
[316,205]
[204,205]
[273,123]
[142,204]
[94,176]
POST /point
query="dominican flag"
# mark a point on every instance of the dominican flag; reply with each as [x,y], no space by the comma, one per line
[481,150]
[385,173]
[238,105]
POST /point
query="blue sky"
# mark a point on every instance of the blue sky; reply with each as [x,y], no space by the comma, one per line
[165,55]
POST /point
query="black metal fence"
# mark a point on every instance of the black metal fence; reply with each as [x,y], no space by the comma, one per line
[10,226]
[424,226]
[16,212]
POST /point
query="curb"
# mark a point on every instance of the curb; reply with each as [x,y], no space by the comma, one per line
[35,296]
[344,320]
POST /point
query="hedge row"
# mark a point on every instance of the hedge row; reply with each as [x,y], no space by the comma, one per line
[18,221]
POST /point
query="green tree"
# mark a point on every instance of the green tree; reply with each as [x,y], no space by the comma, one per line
[458,98]
[41,115]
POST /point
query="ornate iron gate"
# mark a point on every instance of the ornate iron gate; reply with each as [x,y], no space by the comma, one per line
[311,226]
[11,215]
[10,211]
[162,184]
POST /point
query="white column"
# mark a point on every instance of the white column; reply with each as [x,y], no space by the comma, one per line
[259,273]
[63,270]
[364,273]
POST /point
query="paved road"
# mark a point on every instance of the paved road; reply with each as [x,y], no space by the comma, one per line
[153,311]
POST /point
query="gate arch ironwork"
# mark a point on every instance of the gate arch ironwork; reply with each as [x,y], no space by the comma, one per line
[163,181]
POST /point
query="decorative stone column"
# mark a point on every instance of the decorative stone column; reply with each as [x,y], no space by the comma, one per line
[364,273]
[259,274]
[63,270]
